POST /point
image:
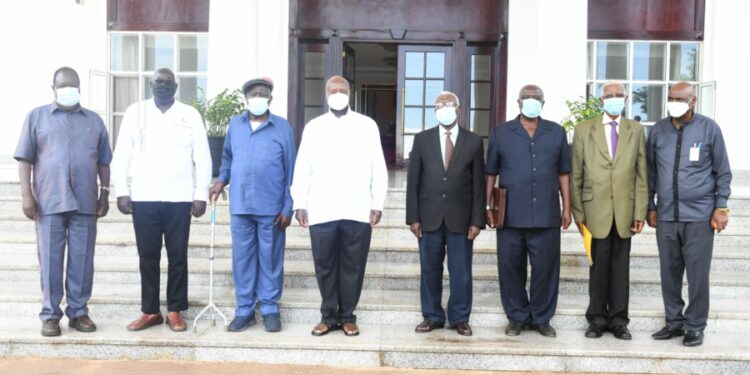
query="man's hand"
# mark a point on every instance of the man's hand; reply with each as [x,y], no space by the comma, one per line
[719,220]
[282,221]
[125,205]
[416,228]
[199,208]
[490,218]
[473,233]
[215,191]
[29,207]
[375,216]
[651,218]
[637,226]
[566,220]
[102,205]
[579,225]
[301,217]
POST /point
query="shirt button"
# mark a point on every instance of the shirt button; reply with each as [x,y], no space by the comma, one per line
[533,169]
[532,143]
[533,155]
[445,178]
[443,195]
[533,199]
[533,184]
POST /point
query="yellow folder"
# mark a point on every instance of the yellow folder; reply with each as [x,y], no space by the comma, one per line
[587,243]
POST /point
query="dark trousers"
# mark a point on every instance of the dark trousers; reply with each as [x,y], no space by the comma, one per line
[340,254]
[53,232]
[609,281]
[542,248]
[685,246]
[170,221]
[432,250]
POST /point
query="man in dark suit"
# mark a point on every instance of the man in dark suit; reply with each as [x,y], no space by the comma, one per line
[445,207]
[531,156]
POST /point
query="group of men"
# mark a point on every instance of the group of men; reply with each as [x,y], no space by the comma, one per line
[161,172]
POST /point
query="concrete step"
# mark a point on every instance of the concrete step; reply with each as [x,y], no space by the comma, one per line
[122,301]
[724,258]
[385,345]
[384,276]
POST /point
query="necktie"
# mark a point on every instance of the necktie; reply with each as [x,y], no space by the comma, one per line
[613,136]
[448,149]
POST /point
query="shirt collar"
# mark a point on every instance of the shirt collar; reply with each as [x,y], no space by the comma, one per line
[52,107]
[269,121]
[606,119]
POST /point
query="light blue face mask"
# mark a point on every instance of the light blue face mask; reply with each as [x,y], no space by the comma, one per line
[67,96]
[614,106]
[257,105]
[531,107]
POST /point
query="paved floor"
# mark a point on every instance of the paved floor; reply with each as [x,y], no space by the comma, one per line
[118,367]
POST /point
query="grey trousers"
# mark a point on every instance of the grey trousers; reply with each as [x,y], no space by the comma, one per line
[53,232]
[685,246]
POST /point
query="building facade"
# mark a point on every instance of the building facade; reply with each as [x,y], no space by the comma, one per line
[397,54]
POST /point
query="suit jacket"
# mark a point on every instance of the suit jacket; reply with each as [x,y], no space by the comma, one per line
[456,196]
[603,189]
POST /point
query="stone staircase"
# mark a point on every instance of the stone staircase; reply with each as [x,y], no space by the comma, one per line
[388,310]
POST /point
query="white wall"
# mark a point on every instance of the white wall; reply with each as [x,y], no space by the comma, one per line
[249,39]
[39,36]
[725,60]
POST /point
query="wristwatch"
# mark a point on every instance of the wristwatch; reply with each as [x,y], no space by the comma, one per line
[724,210]
[488,207]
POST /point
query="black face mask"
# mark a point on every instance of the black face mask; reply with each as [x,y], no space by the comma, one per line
[164,90]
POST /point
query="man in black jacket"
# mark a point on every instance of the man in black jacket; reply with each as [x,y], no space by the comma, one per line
[445,206]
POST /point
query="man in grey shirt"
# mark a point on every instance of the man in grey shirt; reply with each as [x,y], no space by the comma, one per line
[690,176]
[66,146]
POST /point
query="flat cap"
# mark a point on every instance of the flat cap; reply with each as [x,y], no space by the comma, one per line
[265,81]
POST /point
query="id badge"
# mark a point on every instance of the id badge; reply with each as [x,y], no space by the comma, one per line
[695,153]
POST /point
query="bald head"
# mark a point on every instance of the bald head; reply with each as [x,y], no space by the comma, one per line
[531,91]
[681,90]
[337,84]
[163,74]
[65,77]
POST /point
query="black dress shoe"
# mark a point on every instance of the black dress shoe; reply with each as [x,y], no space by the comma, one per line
[51,327]
[546,330]
[622,333]
[668,332]
[513,329]
[693,338]
[82,324]
[427,326]
[463,328]
[594,331]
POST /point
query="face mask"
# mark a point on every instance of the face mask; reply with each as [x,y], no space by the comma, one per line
[338,101]
[68,96]
[446,115]
[164,90]
[677,109]
[257,105]
[531,108]
[614,106]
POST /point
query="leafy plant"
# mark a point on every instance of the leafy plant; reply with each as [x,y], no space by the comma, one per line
[217,111]
[580,110]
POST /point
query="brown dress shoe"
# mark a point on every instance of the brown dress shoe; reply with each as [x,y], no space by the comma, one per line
[463,328]
[82,324]
[350,329]
[323,328]
[175,321]
[145,321]
[51,327]
[427,326]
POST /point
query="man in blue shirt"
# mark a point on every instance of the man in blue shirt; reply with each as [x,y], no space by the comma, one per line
[690,176]
[258,164]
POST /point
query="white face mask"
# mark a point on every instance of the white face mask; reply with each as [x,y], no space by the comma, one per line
[677,109]
[257,105]
[338,101]
[68,96]
[446,115]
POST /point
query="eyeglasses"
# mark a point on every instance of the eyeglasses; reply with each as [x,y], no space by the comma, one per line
[445,105]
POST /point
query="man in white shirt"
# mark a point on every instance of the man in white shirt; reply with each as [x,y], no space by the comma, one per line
[339,187]
[163,150]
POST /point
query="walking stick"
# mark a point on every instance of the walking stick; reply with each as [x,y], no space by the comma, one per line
[211,305]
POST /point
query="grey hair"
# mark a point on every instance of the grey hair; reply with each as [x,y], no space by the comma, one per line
[443,93]
[612,82]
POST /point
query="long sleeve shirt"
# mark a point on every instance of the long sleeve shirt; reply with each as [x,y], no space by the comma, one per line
[258,165]
[340,172]
[687,187]
[165,155]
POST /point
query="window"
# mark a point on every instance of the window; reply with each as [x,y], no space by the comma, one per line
[424,74]
[135,56]
[647,68]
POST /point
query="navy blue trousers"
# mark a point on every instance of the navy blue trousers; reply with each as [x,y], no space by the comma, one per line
[542,248]
[432,250]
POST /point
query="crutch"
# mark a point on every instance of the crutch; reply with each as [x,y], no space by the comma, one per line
[211,304]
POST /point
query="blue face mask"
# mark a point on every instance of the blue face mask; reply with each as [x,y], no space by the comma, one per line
[531,108]
[614,106]
[67,96]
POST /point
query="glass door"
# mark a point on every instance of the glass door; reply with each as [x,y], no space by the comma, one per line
[423,72]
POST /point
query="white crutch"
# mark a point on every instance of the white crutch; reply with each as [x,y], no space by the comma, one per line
[211,304]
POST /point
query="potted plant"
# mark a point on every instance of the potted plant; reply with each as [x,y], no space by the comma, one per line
[580,110]
[216,113]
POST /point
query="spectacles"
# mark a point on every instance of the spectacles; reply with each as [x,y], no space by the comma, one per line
[445,105]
